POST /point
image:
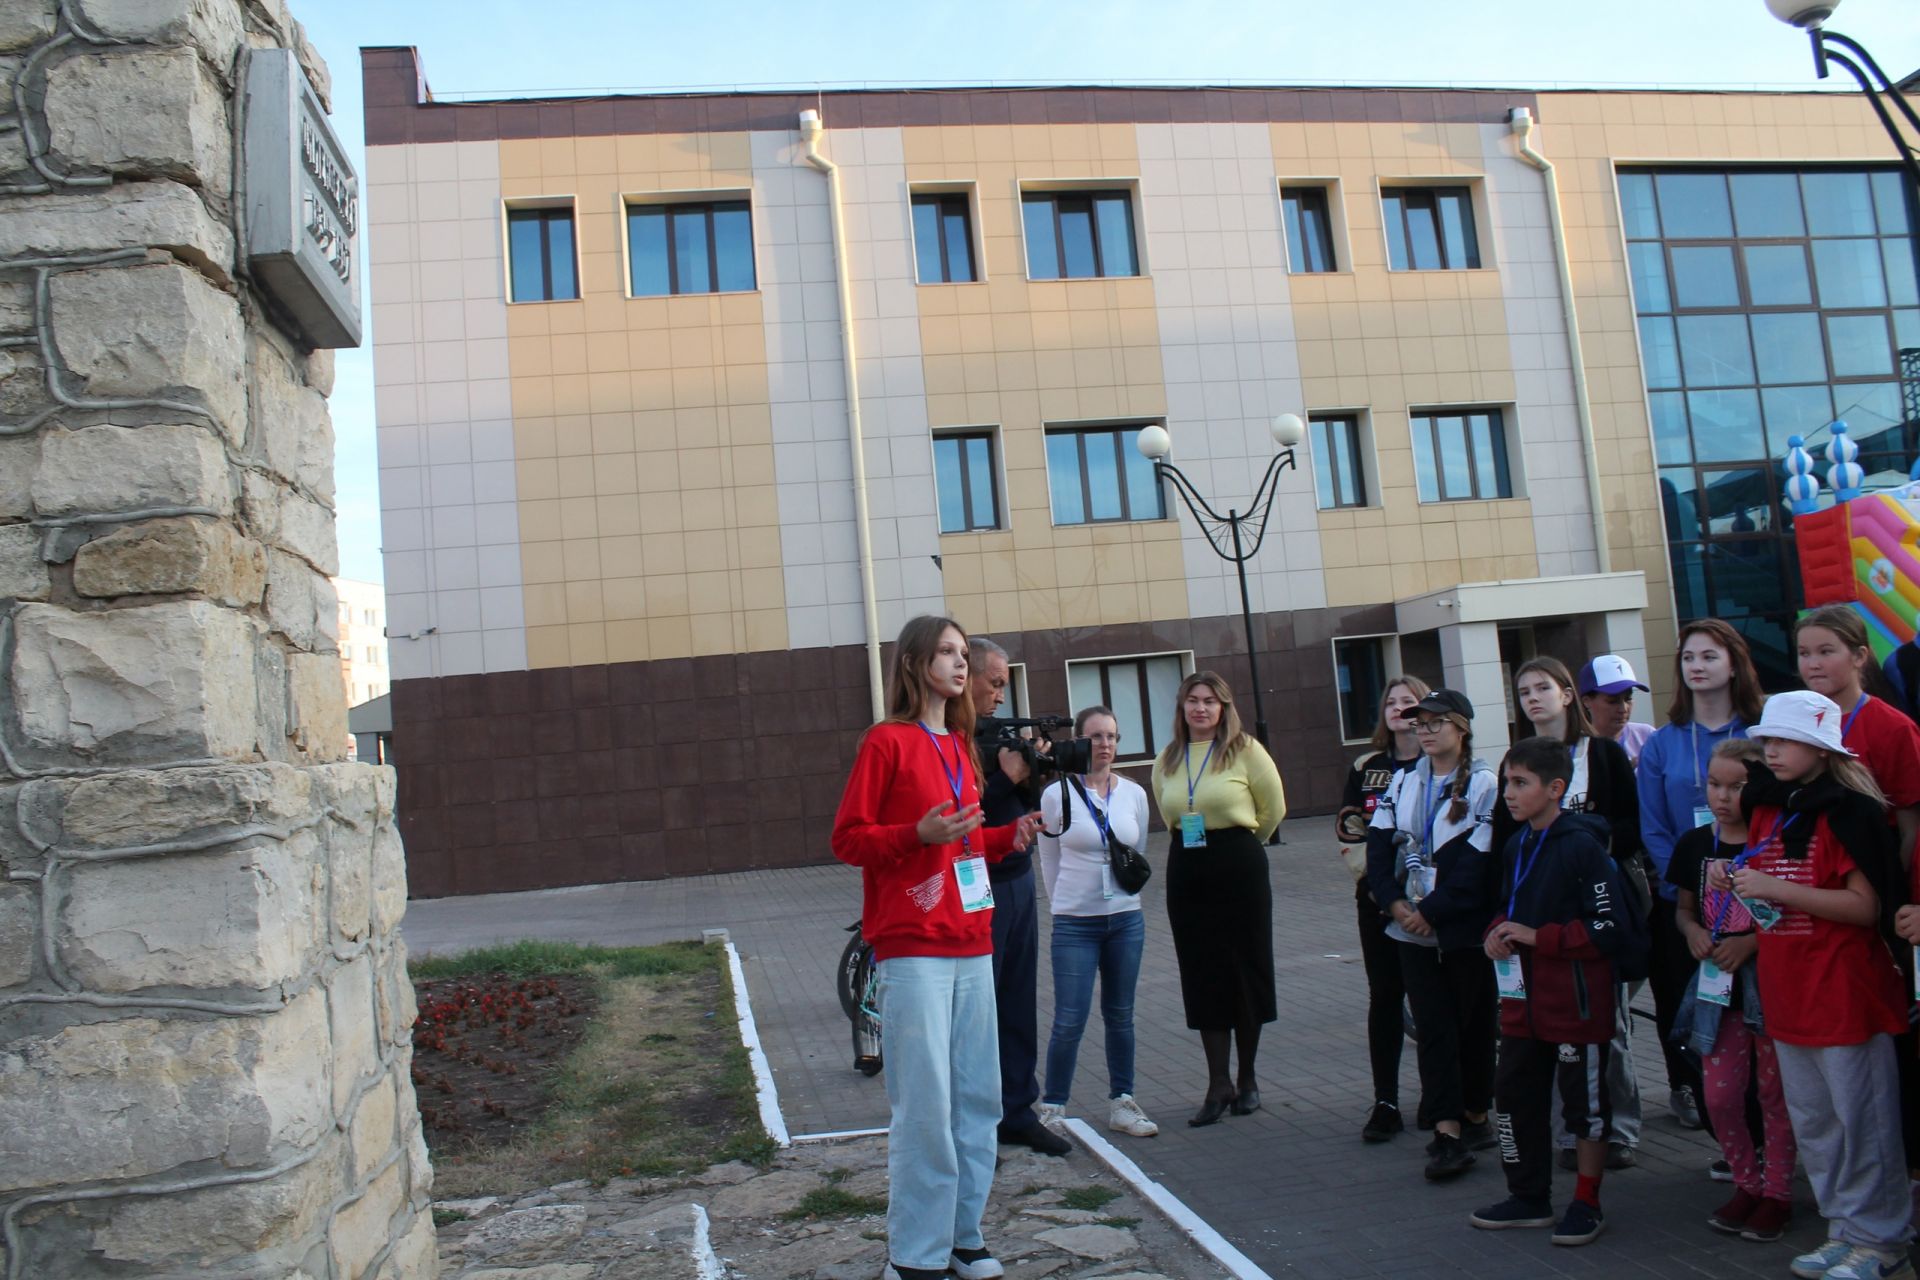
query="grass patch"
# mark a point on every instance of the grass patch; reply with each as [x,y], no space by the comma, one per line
[660,1085]
[832,1202]
[1089,1198]
[1031,1189]
[447,1217]
[1125,1223]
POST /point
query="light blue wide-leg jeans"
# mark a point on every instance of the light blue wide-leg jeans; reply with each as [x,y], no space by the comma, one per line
[943,1081]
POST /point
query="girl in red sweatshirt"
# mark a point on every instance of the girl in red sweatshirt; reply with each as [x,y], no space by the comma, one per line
[910,820]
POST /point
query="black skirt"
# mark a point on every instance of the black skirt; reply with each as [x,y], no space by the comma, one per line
[1221,908]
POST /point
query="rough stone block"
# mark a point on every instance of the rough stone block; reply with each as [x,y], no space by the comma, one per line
[159,331]
[144,807]
[140,113]
[350,1014]
[211,26]
[414,1257]
[301,604]
[320,366]
[169,556]
[291,422]
[280,517]
[179,1231]
[135,215]
[389,899]
[19,459]
[350,854]
[372,1131]
[19,932]
[23,574]
[363,1228]
[245,918]
[399,1009]
[25,23]
[154,683]
[105,469]
[314,65]
[136,1096]
[319,702]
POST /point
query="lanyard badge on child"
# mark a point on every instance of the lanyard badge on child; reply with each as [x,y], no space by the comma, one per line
[1193,827]
[1523,867]
[956,778]
[1765,914]
[1846,726]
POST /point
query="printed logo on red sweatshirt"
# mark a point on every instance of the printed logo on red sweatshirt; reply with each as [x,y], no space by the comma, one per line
[927,894]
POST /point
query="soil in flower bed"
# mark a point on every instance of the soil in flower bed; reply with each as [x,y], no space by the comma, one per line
[485,1049]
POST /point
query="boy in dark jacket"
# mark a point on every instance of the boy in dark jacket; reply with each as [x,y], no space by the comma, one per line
[1563,931]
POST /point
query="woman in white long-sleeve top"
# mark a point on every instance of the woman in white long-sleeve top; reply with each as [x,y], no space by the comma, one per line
[1097,926]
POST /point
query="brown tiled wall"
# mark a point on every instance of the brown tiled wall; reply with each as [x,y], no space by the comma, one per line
[641,770]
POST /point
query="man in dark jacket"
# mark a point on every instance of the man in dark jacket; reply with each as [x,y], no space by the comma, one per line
[1561,944]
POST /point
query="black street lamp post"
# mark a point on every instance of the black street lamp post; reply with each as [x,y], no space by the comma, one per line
[1830,47]
[1224,531]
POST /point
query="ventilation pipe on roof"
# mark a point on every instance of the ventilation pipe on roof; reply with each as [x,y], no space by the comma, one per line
[1520,120]
[811,129]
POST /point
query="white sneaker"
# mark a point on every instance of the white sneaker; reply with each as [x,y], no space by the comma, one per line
[1125,1116]
[1052,1114]
[976,1264]
[1872,1264]
[1813,1265]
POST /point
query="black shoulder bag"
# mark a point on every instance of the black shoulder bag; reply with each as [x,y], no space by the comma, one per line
[1131,870]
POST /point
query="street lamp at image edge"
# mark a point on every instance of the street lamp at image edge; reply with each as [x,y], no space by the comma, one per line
[1811,16]
[1288,431]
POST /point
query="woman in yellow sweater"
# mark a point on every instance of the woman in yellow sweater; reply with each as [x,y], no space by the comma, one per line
[1221,798]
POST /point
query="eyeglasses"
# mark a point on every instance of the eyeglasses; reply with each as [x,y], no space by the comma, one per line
[1431,726]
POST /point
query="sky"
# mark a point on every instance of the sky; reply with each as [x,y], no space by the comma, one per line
[522,48]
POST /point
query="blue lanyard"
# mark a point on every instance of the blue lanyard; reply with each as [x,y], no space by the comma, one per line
[1726,899]
[956,776]
[1846,726]
[1752,847]
[1189,767]
[1101,819]
[1523,867]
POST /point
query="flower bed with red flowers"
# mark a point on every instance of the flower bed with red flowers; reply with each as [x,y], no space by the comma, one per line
[485,1050]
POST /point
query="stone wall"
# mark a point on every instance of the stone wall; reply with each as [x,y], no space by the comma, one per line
[204,1006]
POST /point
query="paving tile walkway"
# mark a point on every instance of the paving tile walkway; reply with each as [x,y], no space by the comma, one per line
[1292,1186]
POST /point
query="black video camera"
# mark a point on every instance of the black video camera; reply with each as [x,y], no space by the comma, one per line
[1065,755]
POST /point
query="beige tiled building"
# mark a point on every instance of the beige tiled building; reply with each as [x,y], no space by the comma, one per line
[615,427]
[363,639]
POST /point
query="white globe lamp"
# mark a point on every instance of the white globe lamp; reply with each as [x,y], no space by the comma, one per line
[1154,443]
[1289,430]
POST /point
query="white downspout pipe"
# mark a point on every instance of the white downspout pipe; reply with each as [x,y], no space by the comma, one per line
[811,128]
[1520,120]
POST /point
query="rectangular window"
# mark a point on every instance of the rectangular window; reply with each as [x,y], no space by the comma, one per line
[1096,476]
[1141,692]
[1079,235]
[1460,455]
[1338,477]
[963,478]
[1360,673]
[1430,229]
[1309,229]
[689,248]
[942,239]
[540,254]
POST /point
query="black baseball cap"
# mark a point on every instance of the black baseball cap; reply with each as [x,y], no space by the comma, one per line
[1446,702]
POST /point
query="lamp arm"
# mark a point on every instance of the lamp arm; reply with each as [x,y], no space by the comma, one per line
[1908,158]
[1188,494]
[1886,83]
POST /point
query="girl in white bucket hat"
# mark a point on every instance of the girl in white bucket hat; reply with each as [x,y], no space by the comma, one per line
[1817,871]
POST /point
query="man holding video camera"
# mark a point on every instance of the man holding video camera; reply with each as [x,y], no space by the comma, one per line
[1005,797]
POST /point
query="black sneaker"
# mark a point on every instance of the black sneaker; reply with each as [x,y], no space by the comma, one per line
[1037,1136]
[1382,1123]
[894,1271]
[1720,1171]
[1479,1135]
[1450,1158]
[1580,1224]
[1512,1212]
[976,1264]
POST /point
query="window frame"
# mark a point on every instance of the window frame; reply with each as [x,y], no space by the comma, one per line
[544,207]
[1103,662]
[1088,189]
[1390,666]
[1500,437]
[712,199]
[1464,188]
[962,434]
[940,193]
[1122,431]
[1328,194]
[1359,439]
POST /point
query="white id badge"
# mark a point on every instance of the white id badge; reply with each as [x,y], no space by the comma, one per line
[1764,913]
[1106,880]
[1193,830]
[1702,816]
[1716,984]
[1916,971]
[976,891]
[1420,882]
[1506,974]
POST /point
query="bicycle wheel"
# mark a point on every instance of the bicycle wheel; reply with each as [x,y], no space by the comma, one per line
[853,973]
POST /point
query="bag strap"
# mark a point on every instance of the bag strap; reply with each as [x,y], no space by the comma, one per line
[1086,801]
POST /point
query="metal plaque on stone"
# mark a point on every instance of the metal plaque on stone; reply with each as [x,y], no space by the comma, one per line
[302,202]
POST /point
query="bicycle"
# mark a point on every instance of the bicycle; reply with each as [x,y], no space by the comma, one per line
[858,982]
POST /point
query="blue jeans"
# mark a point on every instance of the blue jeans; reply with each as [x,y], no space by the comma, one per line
[1084,946]
[943,1081]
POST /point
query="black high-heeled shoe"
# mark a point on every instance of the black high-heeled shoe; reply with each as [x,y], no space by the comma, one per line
[1247,1102]
[1210,1112]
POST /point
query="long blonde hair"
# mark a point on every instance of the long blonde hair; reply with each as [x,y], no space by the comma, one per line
[1231,737]
[1382,735]
[913,652]
[1855,776]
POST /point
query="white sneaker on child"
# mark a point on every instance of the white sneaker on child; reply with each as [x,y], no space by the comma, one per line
[1125,1116]
[1872,1264]
[1814,1265]
[1052,1114]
